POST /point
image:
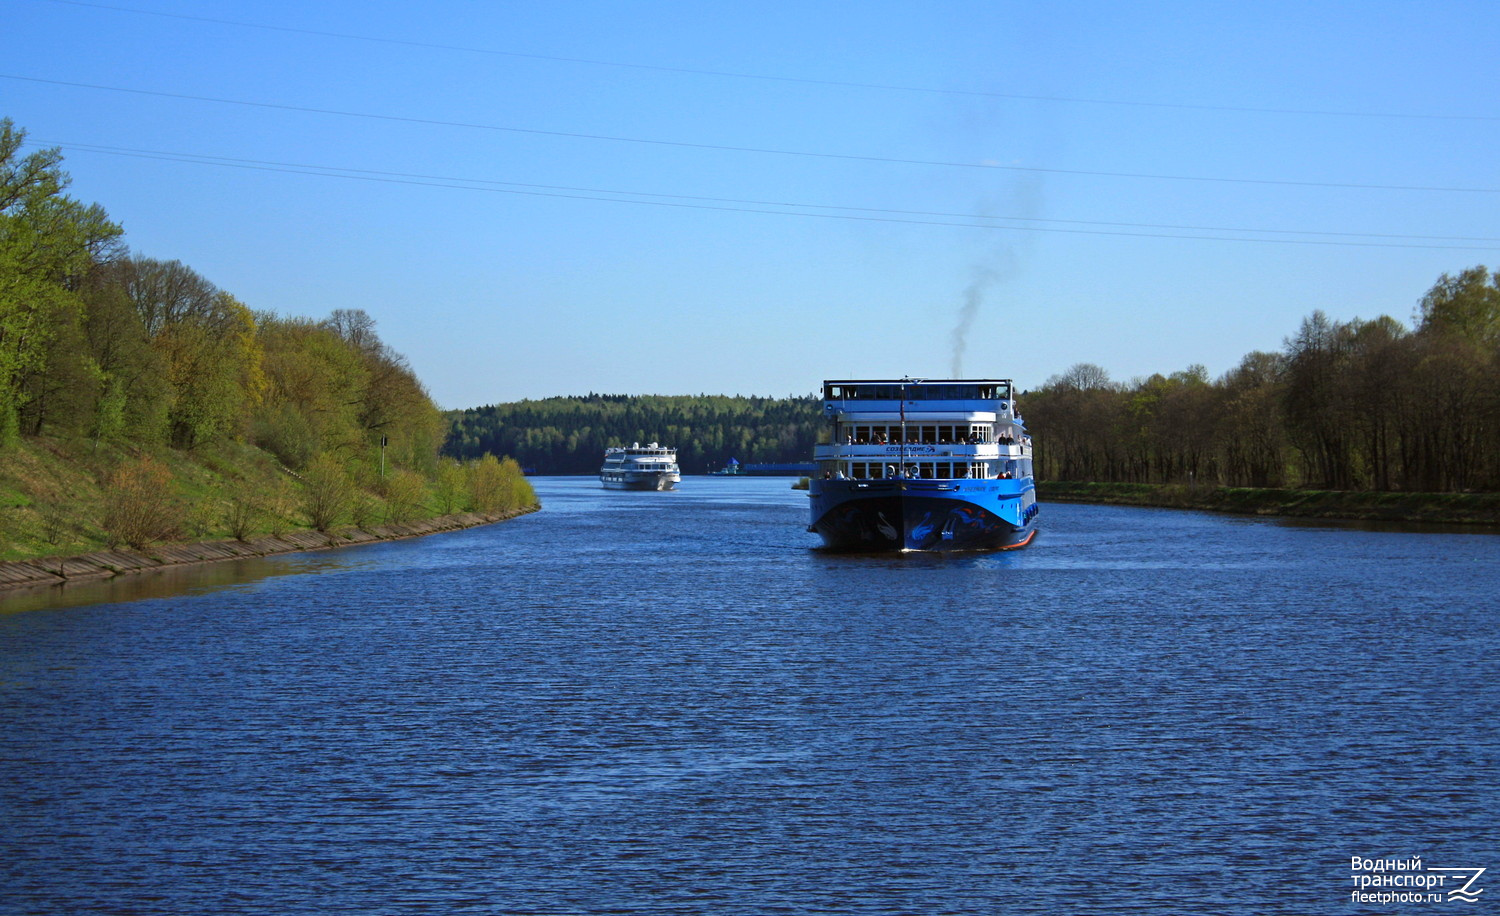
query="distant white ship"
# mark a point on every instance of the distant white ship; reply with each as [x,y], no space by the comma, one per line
[648,467]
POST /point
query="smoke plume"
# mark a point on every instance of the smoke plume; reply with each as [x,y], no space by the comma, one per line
[1024,202]
[984,278]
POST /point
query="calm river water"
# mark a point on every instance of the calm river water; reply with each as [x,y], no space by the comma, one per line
[671,703]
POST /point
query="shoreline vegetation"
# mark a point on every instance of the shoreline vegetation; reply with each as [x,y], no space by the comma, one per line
[49,572]
[150,418]
[1476,509]
[73,510]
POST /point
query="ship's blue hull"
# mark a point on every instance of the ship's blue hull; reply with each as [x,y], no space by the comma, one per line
[910,514]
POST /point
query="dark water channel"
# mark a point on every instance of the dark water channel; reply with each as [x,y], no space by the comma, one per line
[670,703]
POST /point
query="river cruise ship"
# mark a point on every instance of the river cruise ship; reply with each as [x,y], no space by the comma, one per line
[922,464]
[640,467]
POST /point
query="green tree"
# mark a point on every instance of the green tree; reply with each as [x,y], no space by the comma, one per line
[315,383]
[1250,427]
[327,492]
[450,490]
[405,493]
[214,365]
[48,242]
[132,374]
[1467,306]
[487,485]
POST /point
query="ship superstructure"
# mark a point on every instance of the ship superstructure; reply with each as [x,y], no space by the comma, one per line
[640,467]
[922,464]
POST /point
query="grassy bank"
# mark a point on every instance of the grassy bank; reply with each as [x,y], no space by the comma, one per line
[67,498]
[1444,508]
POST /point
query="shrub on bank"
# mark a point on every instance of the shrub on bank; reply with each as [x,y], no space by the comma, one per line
[141,505]
[70,497]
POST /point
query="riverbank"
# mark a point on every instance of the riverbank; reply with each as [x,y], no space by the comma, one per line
[1437,508]
[103,564]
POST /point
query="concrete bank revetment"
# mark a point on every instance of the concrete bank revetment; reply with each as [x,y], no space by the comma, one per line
[1427,508]
[103,564]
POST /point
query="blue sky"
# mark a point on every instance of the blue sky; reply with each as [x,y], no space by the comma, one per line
[555,198]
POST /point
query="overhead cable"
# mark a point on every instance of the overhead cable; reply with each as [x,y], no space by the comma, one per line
[857,214]
[679,144]
[843,84]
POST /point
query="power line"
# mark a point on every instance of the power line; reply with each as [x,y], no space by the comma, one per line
[857,214]
[463,181]
[679,144]
[842,84]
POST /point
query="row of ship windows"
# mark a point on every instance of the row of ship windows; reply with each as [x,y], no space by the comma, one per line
[934,470]
[977,434]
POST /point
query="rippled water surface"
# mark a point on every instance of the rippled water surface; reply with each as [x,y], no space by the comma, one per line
[670,703]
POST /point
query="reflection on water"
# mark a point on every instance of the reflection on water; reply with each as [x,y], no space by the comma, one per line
[174,581]
[1389,527]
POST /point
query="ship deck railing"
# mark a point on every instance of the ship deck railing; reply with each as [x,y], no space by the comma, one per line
[872,451]
[921,484]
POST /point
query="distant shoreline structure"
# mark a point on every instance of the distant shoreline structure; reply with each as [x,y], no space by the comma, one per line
[774,469]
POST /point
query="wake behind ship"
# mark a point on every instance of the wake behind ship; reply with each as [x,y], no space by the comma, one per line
[922,464]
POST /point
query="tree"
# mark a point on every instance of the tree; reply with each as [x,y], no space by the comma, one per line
[1082,377]
[1467,306]
[48,242]
[315,384]
[450,489]
[166,293]
[487,485]
[131,395]
[1251,430]
[393,404]
[1316,416]
[327,492]
[405,492]
[214,365]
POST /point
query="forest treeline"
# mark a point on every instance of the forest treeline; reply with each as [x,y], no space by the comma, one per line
[568,435]
[1358,405]
[137,358]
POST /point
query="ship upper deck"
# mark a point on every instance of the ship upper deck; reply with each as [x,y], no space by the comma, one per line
[635,449]
[912,389]
[976,400]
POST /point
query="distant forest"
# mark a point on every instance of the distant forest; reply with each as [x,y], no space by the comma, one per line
[568,435]
[1358,405]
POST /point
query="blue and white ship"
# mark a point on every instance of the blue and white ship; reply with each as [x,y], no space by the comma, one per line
[923,464]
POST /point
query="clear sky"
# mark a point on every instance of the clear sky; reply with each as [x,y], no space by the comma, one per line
[537,199]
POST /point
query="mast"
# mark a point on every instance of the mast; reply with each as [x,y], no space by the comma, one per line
[901,469]
[901,460]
